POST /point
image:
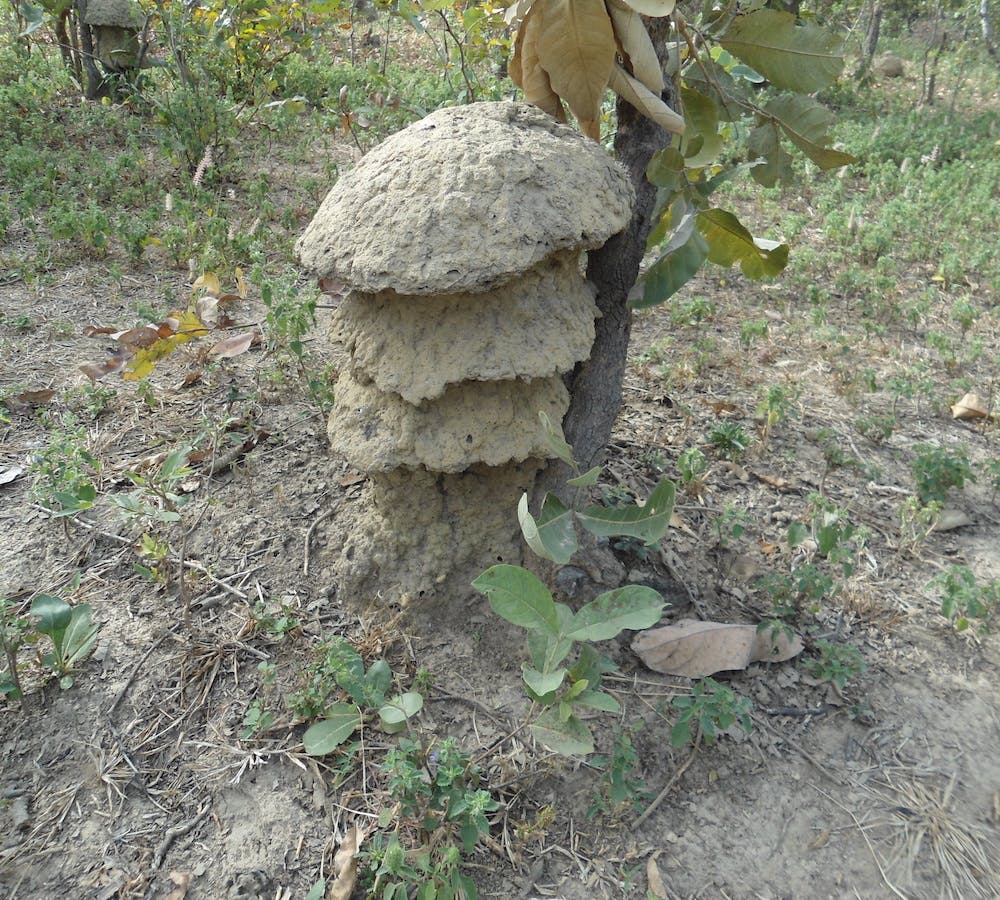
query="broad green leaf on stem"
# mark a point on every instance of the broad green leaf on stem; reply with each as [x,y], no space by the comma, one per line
[542,683]
[666,168]
[649,523]
[729,242]
[553,535]
[54,614]
[765,143]
[576,47]
[702,116]
[590,664]
[341,721]
[557,443]
[634,607]
[676,266]
[520,597]
[567,736]
[377,680]
[79,637]
[398,710]
[599,700]
[548,650]
[807,125]
[587,479]
[711,79]
[801,58]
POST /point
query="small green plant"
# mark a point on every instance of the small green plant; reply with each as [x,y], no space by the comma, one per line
[65,470]
[442,816]
[692,465]
[554,630]
[709,708]
[259,718]
[157,498]
[71,630]
[965,602]
[730,439]
[777,405]
[751,331]
[341,668]
[916,522]
[837,663]
[15,631]
[938,469]
[992,470]
[730,525]
[275,620]
[621,788]
[878,429]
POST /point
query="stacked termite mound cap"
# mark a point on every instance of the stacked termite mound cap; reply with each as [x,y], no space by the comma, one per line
[460,239]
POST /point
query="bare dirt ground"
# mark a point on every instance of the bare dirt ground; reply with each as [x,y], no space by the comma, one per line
[136,781]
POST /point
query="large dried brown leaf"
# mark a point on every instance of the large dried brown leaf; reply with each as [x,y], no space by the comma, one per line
[655,8]
[534,80]
[576,48]
[233,345]
[644,100]
[345,865]
[636,45]
[696,649]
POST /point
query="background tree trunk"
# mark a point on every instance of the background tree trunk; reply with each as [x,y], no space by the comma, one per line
[987,27]
[870,42]
[596,384]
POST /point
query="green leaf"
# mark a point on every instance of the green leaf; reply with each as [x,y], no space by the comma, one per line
[342,720]
[634,606]
[569,737]
[548,650]
[676,266]
[397,711]
[797,533]
[666,168]
[53,613]
[542,683]
[520,597]
[649,523]
[591,665]
[317,891]
[80,636]
[765,143]
[557,443]
[553,535]
[807,125]
[729,242]
[802,58]
[587,479]
[599,700]
[702,117]
[710,78]
[376,682]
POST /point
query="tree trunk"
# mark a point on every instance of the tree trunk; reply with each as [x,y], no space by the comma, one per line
[987,27]
[871,42]
[596,384]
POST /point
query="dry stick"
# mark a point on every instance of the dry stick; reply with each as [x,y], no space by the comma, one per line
[135,671]
[176,832]
[798,748]
[864,834]
[318,521]
[666,790]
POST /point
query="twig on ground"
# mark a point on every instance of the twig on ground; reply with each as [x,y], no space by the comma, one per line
[316,522]
[660,797]
[178,831]
[798,748]
[135,671]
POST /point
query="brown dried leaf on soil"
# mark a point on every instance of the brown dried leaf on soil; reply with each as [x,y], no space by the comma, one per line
[345,865]
[696,649]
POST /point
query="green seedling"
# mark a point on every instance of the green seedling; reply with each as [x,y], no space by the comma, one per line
[709,708]
[937,470]
[554,631]
[730,439]
[15,631]
[837,663]
[621,788]
[965,602]
[157,498]
[71,630]
[341,667]
[692,465]
[443,814]
[64,471]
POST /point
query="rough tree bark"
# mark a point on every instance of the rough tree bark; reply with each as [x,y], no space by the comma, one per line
[987,27]
[596,385]
[871,42]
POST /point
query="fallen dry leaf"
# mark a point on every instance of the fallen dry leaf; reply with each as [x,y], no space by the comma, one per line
[696,649]
[233,345]
[971,406]
[780,484]
[345,865]
[9,474]
[654,881]
[182,881]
